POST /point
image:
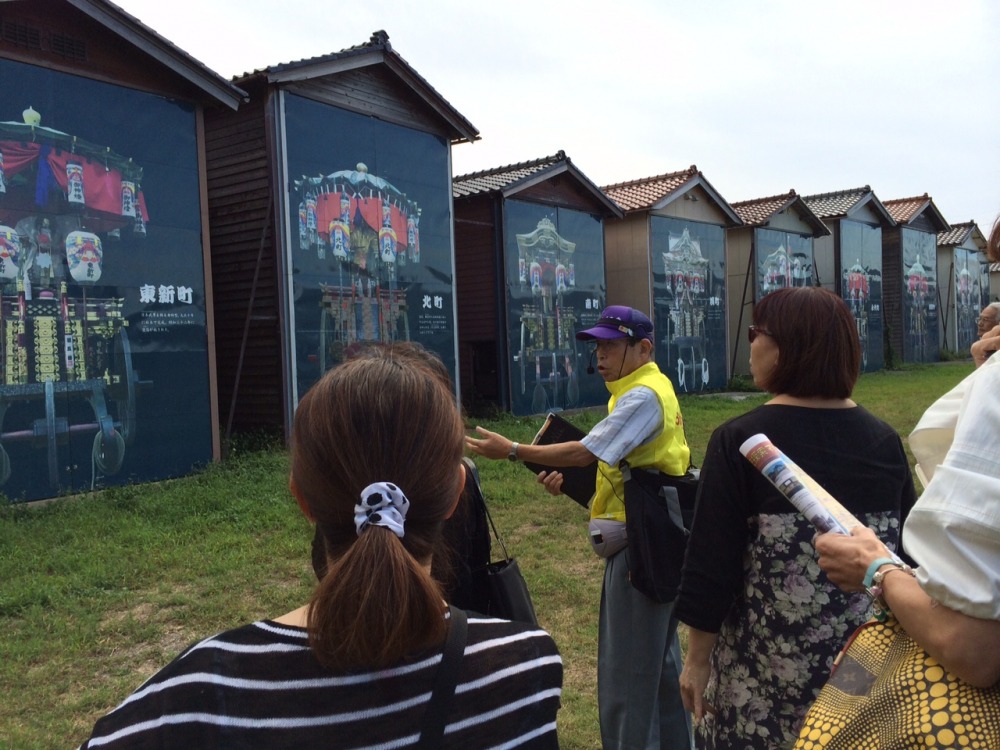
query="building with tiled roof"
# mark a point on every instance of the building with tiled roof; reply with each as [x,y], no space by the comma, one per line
[909,279]
[330,205]
[667,257]
[962,234]
[500,178]
[648,192]
[515,179]
[963,272]
[352,78]
[849,260]
[775,247]
[529,264]
[911,210]
[102,188]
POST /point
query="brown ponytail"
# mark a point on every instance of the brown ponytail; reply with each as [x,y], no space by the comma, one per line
[378,418]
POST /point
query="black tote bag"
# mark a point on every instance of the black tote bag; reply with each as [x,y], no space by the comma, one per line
[507,591]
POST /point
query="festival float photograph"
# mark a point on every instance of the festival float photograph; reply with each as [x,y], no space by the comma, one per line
[369,250]
[93,290]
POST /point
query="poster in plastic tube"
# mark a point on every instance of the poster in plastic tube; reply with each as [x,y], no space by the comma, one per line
[802,491]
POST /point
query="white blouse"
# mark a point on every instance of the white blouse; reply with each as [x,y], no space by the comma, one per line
[953,531]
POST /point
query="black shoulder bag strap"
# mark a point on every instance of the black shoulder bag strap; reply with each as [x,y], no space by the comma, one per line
[432,723]
[480,500]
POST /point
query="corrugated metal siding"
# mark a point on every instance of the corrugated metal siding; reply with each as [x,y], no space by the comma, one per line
[238,169]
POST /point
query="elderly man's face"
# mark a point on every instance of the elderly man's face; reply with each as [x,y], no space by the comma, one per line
[987,320]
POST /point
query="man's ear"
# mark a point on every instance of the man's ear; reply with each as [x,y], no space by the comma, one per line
[461,489]
[303,505]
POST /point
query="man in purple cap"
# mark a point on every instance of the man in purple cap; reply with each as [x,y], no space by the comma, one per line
[639,657]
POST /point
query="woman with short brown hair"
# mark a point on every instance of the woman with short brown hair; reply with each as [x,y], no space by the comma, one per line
[764,627]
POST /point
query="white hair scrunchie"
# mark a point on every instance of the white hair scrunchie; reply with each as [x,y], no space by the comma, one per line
[382,504]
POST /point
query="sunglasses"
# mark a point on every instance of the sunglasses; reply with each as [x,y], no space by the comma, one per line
[754,331]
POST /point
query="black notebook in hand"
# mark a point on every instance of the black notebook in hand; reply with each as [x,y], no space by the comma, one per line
[579,482]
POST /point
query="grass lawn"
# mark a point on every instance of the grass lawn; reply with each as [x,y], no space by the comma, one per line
[97,592]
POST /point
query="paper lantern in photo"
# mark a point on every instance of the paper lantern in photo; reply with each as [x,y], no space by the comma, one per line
[413,235]
[303,227]
[340,239]
[139,226]
[74,183]
[311,226]
[561,278]
[387,237]
[84,256]
[340,230]
[128,198]
[10,252]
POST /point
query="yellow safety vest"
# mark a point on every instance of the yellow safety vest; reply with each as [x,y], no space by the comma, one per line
[668,452]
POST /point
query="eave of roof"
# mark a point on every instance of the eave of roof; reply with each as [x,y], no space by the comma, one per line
[496,179]
[906,210]
[757,212]
[960,233]
[653,193]
[162,50]
[842,203]
[512,179]
[376,51]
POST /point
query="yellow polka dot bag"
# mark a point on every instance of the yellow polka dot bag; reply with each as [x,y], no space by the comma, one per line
[886,693]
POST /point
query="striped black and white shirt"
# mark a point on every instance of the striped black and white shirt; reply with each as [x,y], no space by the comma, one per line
[260,686]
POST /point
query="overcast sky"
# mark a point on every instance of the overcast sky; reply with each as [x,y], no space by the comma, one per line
[762,96]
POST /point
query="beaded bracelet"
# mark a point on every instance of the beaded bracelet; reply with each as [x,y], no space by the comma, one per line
[876,564]
[880,610]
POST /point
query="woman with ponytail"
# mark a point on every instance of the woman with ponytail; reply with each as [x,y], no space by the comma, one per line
[376,658]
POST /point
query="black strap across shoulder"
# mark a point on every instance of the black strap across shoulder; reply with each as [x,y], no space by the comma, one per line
[432,723]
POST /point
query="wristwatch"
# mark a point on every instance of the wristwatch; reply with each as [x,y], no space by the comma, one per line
[512,455]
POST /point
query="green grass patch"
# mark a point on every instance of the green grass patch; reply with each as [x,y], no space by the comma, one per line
[99,591]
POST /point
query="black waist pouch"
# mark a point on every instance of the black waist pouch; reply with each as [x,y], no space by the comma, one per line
[656,508]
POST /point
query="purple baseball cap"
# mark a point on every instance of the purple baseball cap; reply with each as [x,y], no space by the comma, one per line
[618,322]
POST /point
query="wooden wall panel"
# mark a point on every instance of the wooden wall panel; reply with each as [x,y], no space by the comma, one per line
[70,41]
[562,191]
[239,216]
[740,290]
[892,289]
[479,310]
[372,91]
[626,262]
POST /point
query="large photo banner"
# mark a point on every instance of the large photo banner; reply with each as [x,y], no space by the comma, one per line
[782,260]
[861,287]
[920,310]
[688,265]
[967,296]
[104,373]
[554,261]
[369,204]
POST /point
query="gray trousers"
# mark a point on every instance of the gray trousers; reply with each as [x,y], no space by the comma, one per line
[638,666]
